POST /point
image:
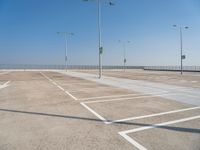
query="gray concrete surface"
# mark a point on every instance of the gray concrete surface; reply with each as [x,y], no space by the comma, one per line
[180,134]
[38,113]
[188,95]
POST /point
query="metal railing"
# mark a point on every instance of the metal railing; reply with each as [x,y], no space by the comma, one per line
[173,68]
[61,67]
[90,67]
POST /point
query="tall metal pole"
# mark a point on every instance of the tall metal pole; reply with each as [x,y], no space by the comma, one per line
[66,44]
[100,42]
[99,30]
[124,55]
[66,34]
[181,46]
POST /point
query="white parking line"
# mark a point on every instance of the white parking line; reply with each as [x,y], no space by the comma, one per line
[109,96]
[54,83]
[6,84]
[137,97]
[137,144]
[81,83]
[61,88]
[96,114]
[108,121]
[133,142]
[154,115]
[5,72]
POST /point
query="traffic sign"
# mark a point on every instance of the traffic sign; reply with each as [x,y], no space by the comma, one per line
[183,57]
[101,50]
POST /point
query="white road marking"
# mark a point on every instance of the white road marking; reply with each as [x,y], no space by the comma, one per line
[121,99]
[81,83]
[53,82]
[154,115]
[133,142]
[110,96]
[93,112]
[99,89]
[132,118]
[5,72]
[138,145]
[6,84]
[60,87]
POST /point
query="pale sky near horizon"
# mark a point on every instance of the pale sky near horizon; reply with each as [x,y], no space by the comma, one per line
[28,31]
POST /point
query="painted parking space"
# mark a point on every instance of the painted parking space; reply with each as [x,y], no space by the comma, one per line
[177,134]
[125,109]
[83,89]
[65,109]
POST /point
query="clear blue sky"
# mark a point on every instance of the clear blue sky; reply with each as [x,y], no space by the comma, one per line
[28,31]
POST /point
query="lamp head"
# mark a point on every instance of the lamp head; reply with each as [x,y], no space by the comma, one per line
[111,3]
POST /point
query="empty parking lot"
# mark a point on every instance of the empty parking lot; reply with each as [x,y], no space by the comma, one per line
[76,110]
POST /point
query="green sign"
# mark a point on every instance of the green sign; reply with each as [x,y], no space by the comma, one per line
[101,50]
[183,57]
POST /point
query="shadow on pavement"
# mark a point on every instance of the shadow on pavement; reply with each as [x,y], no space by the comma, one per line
[180,129]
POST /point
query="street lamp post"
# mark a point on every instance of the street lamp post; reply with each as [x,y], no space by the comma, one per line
[100,35]
[66,34]
[181,45]
[124,50]
[100,42]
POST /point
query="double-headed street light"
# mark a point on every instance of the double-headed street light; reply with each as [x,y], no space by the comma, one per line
[124,49]
[66,35]
[99,30]
[181,45]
